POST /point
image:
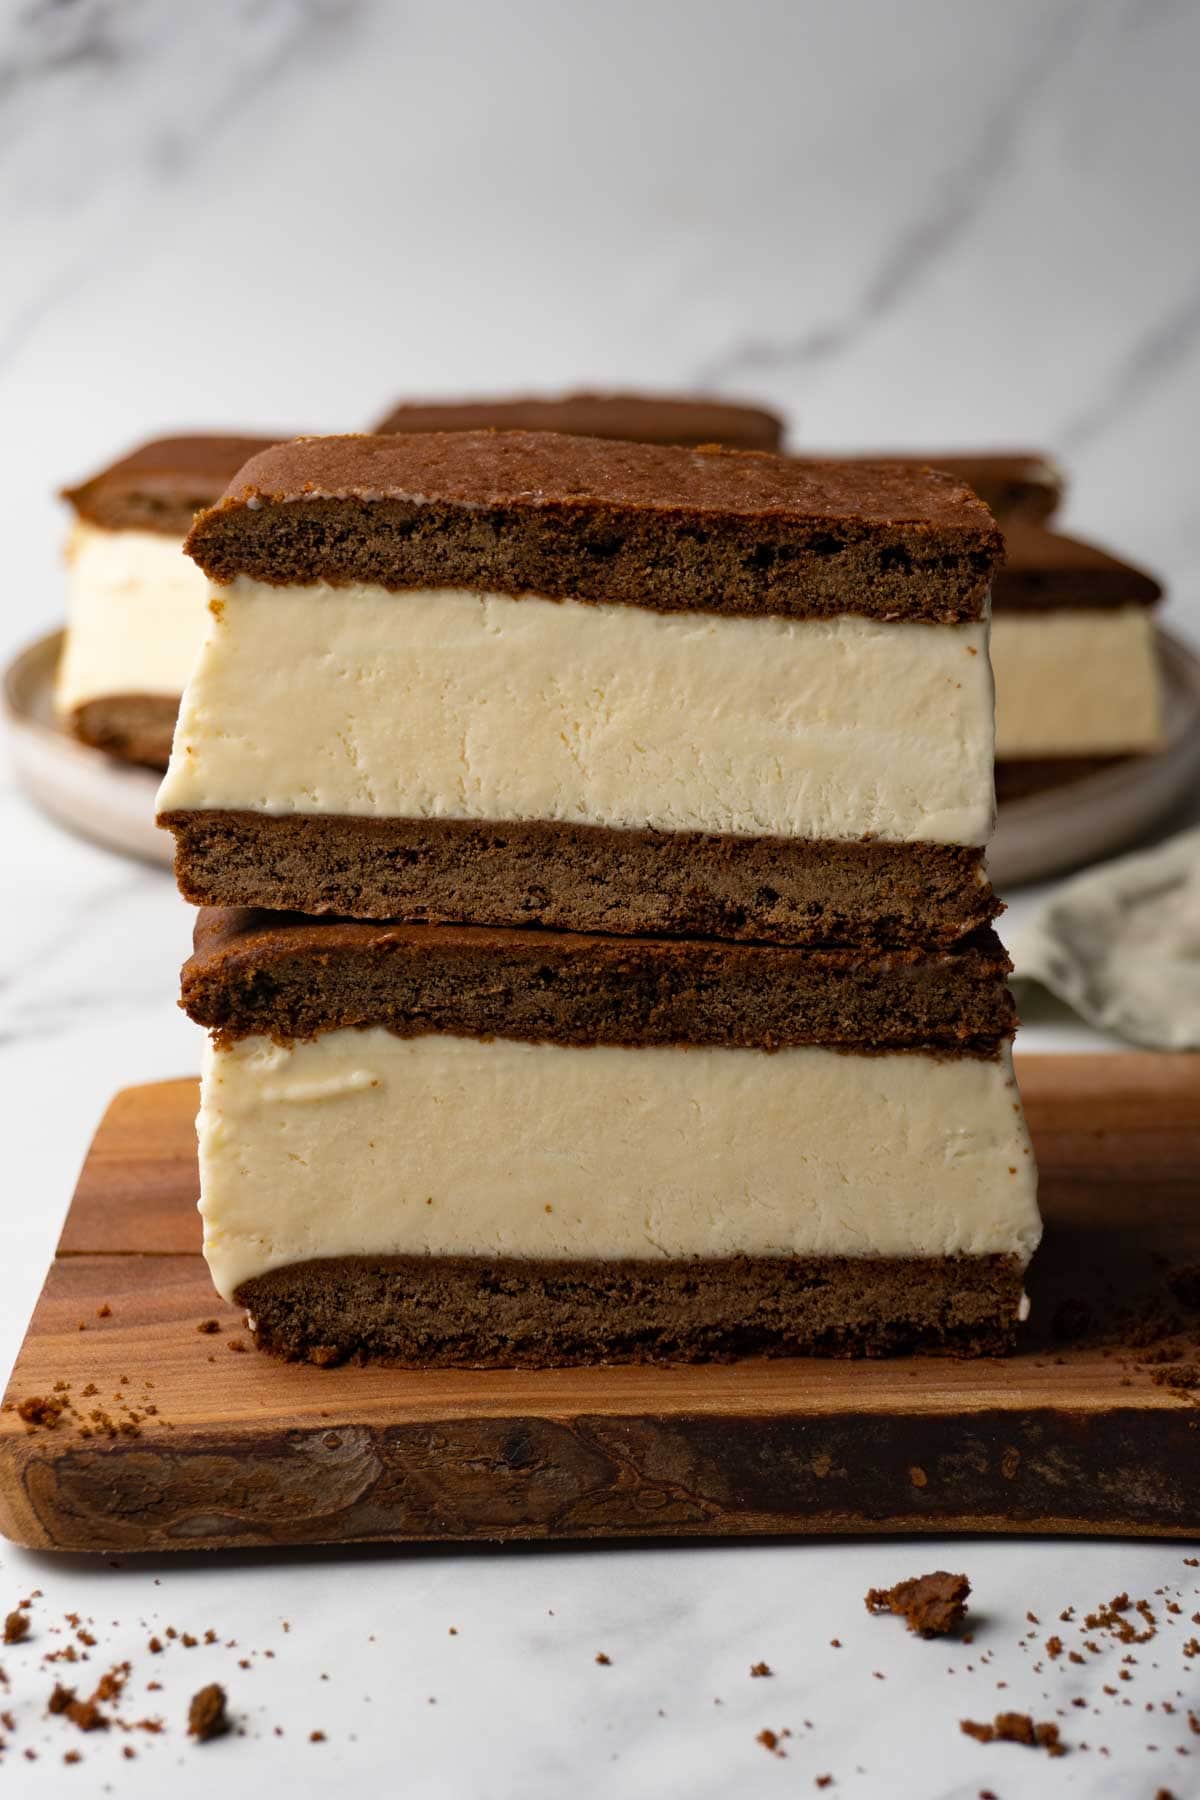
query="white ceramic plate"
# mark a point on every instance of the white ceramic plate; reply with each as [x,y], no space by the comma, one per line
[1043,834]
[91,792]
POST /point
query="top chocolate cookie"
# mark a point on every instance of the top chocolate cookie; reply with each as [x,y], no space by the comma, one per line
[1013,484]
[1045,570]
[1018,484]
[162,485]
[589,519]
[638,418]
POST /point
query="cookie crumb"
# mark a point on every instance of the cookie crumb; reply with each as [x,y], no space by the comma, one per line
[1016,1728]
[761,1668]
[604,1660]
[207,1714]
[209,1326]
[16,1627]
[932,1605]
[87,1715]
[40,1409]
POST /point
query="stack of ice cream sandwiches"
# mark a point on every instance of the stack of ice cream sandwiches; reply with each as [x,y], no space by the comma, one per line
[595,940]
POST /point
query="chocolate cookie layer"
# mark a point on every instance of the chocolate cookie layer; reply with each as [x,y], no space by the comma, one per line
[460,1312]
[1013,485]
[162,485]
[1017,780]
[638,418]
[672,530]
[584,878]
[1043,570]
[287,977]
[1017,486]
[136,727]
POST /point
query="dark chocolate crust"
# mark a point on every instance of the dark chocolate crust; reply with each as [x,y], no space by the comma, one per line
[1018,779]
[469,1312]
[584,878]
[288,977]
[638,418]
[137,728]
[161,486]
[675,530]
[1043,571]
[1014,485]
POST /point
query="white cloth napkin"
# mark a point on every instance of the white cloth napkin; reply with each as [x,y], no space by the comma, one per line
[1121,945]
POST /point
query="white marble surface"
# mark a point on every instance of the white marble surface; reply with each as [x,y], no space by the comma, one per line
[948,221]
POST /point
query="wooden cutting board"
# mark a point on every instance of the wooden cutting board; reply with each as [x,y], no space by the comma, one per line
[1093,1428]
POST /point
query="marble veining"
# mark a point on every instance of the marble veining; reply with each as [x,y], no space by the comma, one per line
[952,207]
[1158,353]
[126,74]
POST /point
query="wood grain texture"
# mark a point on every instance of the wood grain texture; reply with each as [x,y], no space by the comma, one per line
[1077,1433]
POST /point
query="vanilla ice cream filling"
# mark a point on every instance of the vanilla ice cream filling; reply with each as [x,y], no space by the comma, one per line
[364,1143]
[445,704]
[136,614]
[1071,682]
